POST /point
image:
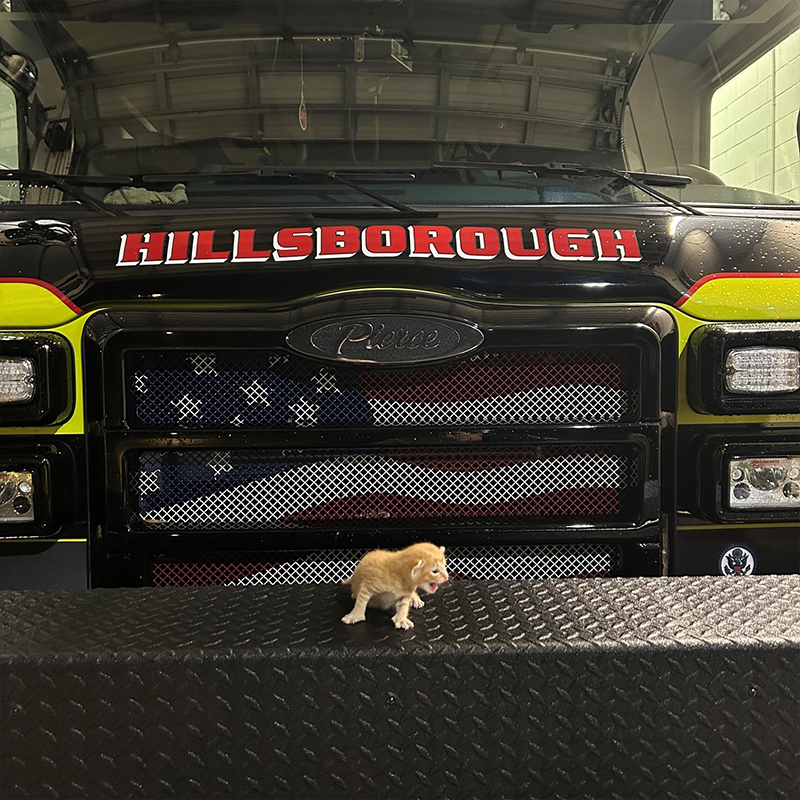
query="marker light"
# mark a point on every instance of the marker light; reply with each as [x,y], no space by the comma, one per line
[16,497]
[762,370]
[764,483]
[17,380]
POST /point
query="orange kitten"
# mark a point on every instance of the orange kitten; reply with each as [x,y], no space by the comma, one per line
[389,579]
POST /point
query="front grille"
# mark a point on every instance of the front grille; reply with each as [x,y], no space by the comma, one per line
[510,562]
[224,389]
[261,489]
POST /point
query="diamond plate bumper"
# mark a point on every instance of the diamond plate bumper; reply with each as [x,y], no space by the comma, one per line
[628,688]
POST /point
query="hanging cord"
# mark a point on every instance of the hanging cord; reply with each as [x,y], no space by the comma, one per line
[352,138]
[638,141]
[622,147]
[302,113]
[377,152]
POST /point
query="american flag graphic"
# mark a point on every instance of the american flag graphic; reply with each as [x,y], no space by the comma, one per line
[241,389]
[190,489]
[187,489]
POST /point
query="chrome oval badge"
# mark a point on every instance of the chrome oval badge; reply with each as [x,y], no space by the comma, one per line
[385,339]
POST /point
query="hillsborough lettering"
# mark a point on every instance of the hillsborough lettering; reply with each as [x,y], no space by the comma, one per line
[477,243]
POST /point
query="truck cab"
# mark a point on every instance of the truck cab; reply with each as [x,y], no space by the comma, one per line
[281,283]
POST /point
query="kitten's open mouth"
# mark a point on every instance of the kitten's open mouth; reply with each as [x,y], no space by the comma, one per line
[432,587]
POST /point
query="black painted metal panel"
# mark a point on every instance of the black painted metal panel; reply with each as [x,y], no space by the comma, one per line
[640,688]
[43,565]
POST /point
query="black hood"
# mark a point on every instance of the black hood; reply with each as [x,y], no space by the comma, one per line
[506,255]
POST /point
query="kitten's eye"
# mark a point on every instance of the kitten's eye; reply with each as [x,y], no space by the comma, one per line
[434,572]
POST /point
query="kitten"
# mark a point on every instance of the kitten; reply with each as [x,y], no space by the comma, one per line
[389,579]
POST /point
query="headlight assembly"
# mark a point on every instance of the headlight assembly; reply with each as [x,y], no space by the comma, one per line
[36,384]
[745,369]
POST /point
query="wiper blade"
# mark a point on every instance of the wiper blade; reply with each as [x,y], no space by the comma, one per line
[259,174]
[641,180]
[68,185]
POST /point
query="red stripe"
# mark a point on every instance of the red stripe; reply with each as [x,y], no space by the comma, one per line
[686,295]
[50,288]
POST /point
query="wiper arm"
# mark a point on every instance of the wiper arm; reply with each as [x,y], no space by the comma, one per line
[259,174]
[641,180]
[68,185]
[374,195]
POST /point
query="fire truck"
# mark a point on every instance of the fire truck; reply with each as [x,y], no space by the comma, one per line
[282,282]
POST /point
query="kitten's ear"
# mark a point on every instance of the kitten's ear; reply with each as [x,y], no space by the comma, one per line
[442,548]
[417,568]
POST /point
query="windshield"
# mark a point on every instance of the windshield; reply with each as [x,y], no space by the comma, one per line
[255,103]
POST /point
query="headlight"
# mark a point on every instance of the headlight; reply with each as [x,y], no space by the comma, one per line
[17,380]
[739,368]
[35,379]
[764,483]
[16,497]
[762,370]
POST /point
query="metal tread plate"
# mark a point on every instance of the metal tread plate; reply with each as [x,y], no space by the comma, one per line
[645,688]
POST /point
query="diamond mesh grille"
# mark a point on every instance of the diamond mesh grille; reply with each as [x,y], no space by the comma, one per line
[263,389]
[510,562]
[261,489]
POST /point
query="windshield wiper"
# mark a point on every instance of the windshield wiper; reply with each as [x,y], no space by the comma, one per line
[258,174]
[68,185]
[641,180]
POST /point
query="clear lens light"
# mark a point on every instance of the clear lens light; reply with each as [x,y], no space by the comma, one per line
[762,370]
[16,504]
[764,483]
[17,380]
[8,487]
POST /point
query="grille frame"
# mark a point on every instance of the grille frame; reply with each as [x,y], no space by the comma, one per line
[539,462]
[120,553]
[642,329]
[645,440]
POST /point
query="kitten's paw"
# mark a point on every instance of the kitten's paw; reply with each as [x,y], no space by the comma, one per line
[405,624]
[416,602]
[351,619]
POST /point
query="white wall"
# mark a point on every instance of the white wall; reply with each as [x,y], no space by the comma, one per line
[753,124]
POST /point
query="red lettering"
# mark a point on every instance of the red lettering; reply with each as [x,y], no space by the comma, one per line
[178,247]
[243,247]
[431,240]
[141,248]
[515,247]
[481,243]
[617,245]
[383,240]
[203,249]
[571,244]
[337,242]
[292,244]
